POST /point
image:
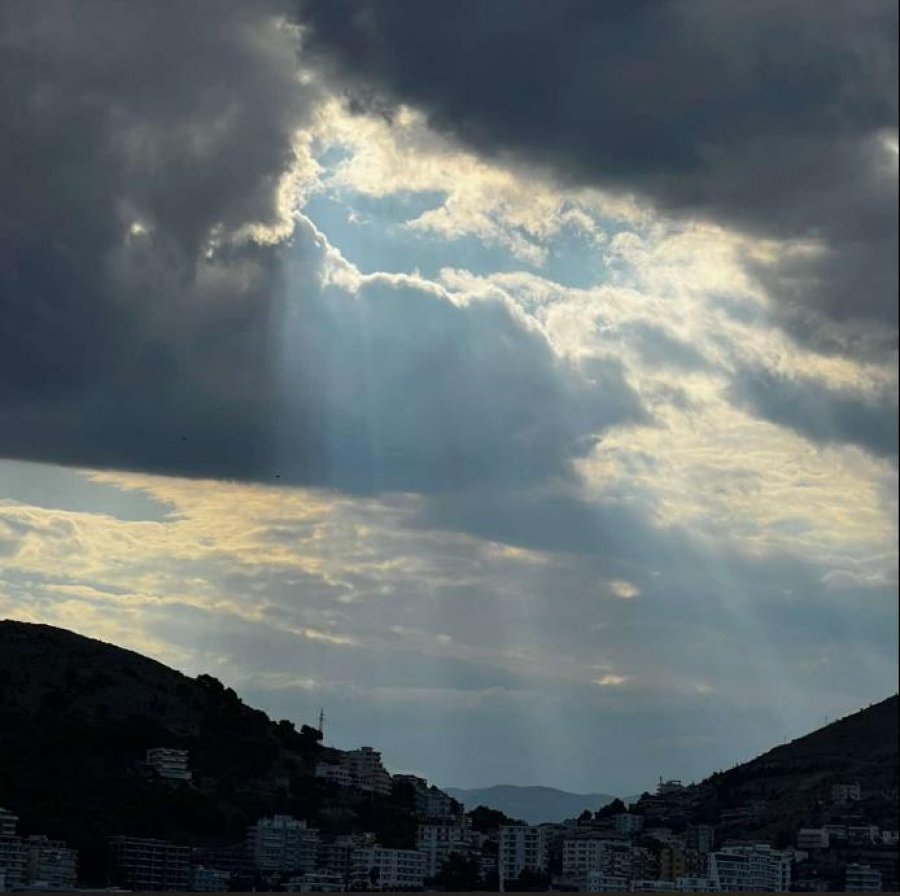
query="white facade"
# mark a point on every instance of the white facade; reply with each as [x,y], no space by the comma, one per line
[585,854]
[755,867]
[13,861]
[360,768]
[521,847]
[283,843]
[862,879]
[209,880]
[316,882]
[51,865]
[169,763]
[437,841]
[378,868]
[812,838]
[8,823]
[694,885]
[598,882]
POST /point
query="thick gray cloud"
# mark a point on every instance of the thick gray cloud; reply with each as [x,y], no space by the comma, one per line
[139,331]
[762,116]
[826,416]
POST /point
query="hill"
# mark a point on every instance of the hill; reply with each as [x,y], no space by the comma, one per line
[531,804]
[790,785]
[77,716]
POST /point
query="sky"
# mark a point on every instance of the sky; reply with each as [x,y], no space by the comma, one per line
[518,381]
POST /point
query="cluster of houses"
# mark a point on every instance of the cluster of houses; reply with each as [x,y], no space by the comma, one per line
[644,849]
[35,862]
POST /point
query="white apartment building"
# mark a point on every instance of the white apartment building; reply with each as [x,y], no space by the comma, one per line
[813,838]
[862,879]
[628,823]
[283,843]
[521,846]
[437,841]
[335,771]
[694,885]
[13,861]
[367,771]
[379,868]
[316,882]
[755,867]
[209,880]
[51,865]
[169,763]
[585,854]
[8,823]
[360,768]
[599,882]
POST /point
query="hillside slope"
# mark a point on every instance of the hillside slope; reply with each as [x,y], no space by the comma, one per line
[790,785]
[77,716]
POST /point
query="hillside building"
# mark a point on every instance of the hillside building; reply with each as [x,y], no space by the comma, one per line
[282,843]
[169,763]
[141,863]
[379,868]
[862,879]
[754,867]
[50,865]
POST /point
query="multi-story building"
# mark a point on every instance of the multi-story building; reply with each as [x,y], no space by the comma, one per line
[379,868]
[693,885]
[316,882]
[335,855]
[629,823]
[521,846]
[209,880]
[862,879]
[13,861]
[582,855]
[672,863]
[367,771]
[750,867]
[864,833]
[168,762]
[8,823]
[360,768]
[437,841]
[282,843]
[335,771]
[812,838]
[600,882]
[652,886]
[140,863]
[51,865]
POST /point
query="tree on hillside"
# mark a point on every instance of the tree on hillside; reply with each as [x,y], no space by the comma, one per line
[485,819]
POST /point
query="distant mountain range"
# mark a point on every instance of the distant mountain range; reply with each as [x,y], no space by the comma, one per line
[531,804]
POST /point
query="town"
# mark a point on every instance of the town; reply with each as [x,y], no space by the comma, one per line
[653,845]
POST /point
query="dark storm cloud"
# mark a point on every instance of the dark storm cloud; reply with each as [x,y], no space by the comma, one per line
[133,136]
[764,116]
[821,414]
[141,331]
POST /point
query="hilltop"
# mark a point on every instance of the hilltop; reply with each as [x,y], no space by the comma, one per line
[77,716]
